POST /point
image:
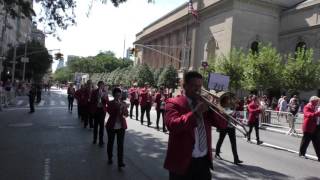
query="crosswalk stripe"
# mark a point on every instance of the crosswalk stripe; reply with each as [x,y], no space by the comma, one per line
[52,103]
[20,102]
[41,103]
[62,103]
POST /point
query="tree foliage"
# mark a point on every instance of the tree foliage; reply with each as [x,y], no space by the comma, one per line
[104,62]
[145,75]
[232,66]
[63,75]
[168,78]
[301,72]
[55,14]
[263,70]
[39,60]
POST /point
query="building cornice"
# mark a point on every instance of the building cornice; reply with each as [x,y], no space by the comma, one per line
[298,30]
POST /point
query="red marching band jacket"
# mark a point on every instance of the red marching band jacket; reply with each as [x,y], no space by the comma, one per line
[82,96]
[254,111]
[145,97]
[160,102]
[309,118]
[94,101]
[134,95]
[114,112]
[181,121]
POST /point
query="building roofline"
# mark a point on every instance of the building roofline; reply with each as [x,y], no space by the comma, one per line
[184,5]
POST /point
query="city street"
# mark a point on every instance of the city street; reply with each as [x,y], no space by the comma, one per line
[51,144]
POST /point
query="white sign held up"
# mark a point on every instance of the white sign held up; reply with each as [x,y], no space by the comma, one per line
[218,82]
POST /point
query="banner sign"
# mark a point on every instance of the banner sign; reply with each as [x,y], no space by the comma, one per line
[218,82]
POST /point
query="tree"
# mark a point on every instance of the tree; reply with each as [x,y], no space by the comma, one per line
[145,75]
[301,72]
[55,13]
[168,78]
[232,66]
[156,75]
[39,60]
[63,75]
[263,70]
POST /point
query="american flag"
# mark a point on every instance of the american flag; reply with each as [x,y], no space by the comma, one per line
[192,10]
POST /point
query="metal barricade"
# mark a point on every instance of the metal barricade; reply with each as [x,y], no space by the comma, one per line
[278,119]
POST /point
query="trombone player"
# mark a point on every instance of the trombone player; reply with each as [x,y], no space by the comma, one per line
[228,105]
[189,122]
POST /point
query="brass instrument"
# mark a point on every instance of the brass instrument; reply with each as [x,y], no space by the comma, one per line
[209,98]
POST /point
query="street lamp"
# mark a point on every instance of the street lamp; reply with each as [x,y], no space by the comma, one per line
[25,59]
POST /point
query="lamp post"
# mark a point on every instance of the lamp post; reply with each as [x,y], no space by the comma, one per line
[25,59]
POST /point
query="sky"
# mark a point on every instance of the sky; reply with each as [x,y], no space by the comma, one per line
[108,27]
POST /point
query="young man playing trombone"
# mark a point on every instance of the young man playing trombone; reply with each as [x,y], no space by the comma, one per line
[189,122]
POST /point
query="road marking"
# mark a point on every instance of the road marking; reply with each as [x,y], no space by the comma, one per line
[62,103]
[20,125]
[41,103]
[19,102]
[52,103]
[41,108]
[284,149]
[47,173]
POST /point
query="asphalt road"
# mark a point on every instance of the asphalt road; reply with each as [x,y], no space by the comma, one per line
[52,145]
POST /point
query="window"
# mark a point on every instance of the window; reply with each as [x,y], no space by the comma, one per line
[301,46]
[254,47]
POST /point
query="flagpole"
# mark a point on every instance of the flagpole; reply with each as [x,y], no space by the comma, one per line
[186,45]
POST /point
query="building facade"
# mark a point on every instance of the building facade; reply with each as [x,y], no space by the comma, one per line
[178,39]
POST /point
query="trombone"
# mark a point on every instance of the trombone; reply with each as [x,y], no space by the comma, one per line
[234,122]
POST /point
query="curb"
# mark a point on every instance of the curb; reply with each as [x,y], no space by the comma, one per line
[280,131]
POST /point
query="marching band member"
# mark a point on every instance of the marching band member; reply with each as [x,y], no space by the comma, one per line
[134,100]
[226,103]
[160,98]
[116,126]
[145,103]
[98,101]
[254,110]
[189,123]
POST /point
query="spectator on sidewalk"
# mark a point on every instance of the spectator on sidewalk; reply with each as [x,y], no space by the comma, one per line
[310,128]
[293,108]
[134,100]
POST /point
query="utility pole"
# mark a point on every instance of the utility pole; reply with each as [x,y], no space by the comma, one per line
[14,63]
[25,60]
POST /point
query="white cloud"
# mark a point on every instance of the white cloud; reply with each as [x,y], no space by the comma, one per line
[107,26]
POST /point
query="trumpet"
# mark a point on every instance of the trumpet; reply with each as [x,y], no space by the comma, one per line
[234,122]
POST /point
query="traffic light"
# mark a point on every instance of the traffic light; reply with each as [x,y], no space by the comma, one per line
[58,56]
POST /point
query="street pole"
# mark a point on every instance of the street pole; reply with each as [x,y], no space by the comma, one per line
[14,63]
[24,62]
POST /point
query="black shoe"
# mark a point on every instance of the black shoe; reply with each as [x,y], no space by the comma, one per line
[259,142]
[31,112]
[164,130]
[217,156]
[94,142]
[101,144]
[303,156]
[237,162]
[110,162]
[121,165]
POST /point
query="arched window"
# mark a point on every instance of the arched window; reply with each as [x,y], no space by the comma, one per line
[301,46]
[254,47]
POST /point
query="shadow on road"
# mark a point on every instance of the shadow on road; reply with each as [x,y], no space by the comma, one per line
[224,170]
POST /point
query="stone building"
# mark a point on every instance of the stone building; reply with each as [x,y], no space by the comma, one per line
[226,24]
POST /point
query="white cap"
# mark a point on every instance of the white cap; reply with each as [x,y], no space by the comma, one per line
[314,98]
